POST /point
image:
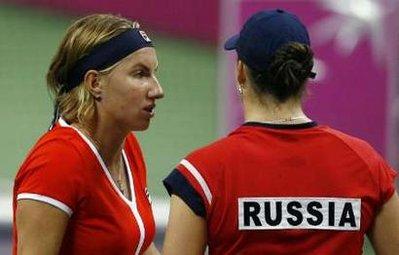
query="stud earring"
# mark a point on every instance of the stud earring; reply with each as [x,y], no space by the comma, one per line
[239,88]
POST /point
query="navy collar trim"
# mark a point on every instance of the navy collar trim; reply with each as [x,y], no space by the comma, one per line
[305,125]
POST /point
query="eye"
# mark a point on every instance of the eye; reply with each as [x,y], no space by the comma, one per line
[140,74]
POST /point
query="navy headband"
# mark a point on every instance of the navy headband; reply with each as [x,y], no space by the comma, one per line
[105,55]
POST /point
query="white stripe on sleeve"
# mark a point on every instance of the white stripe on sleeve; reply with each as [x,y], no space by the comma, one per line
[199,179]
[48,200]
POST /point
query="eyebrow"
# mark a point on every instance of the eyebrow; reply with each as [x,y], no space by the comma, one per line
[138,66]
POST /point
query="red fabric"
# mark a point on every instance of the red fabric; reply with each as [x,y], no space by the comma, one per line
[63,167]
[316,162]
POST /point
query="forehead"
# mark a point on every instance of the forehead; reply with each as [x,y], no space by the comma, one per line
[143,57]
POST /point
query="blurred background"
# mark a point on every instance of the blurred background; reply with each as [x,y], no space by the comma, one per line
[355,42]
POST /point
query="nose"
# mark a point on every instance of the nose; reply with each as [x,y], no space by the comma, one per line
[156,91]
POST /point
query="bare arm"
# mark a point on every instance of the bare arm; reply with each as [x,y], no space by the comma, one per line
[152,250]
[385,232]
[40,228]
[186,232]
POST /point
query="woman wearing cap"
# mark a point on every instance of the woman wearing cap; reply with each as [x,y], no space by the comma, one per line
[280,183]
[82,188]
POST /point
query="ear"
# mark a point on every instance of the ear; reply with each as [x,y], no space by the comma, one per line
[93,84]
[241,75]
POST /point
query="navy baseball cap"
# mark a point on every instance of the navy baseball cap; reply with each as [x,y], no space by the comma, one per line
[263,34]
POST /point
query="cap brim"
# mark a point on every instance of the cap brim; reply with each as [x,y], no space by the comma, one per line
[231,43]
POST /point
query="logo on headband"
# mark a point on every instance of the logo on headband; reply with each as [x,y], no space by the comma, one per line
[145,36]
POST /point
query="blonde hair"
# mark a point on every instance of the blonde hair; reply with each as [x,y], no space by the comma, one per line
[82,36]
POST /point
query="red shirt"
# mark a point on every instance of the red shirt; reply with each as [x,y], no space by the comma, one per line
[278,189]
[64,169]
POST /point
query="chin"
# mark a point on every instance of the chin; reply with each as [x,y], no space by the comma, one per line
[140,127]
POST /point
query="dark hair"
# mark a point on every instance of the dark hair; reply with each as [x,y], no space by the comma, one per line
[288,71]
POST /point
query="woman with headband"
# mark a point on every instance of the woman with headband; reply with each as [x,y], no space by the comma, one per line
[82,188]
[280,183]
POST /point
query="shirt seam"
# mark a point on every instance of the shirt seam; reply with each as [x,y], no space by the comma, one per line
[358,155]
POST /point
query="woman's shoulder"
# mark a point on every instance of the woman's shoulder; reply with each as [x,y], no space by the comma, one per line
[215,151]
[54,170]
[359,147]
[59,146]
[224,144]
[355,143]
[62,139]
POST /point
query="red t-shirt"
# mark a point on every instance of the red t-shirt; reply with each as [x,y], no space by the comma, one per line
[64,169]
[285,189]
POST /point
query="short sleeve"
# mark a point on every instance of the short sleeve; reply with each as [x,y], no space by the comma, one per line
[175,183]
[200,175]
[52,174]
[193,180]
[386,180]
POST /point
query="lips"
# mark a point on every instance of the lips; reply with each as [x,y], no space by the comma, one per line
[150,109]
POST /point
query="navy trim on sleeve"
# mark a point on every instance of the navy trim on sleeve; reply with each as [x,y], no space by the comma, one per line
[176,184]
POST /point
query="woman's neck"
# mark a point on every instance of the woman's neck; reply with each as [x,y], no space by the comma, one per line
[269,110]
[108,139]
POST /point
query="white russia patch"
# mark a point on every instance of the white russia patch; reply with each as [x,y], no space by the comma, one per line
[271,213]
[145,36]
